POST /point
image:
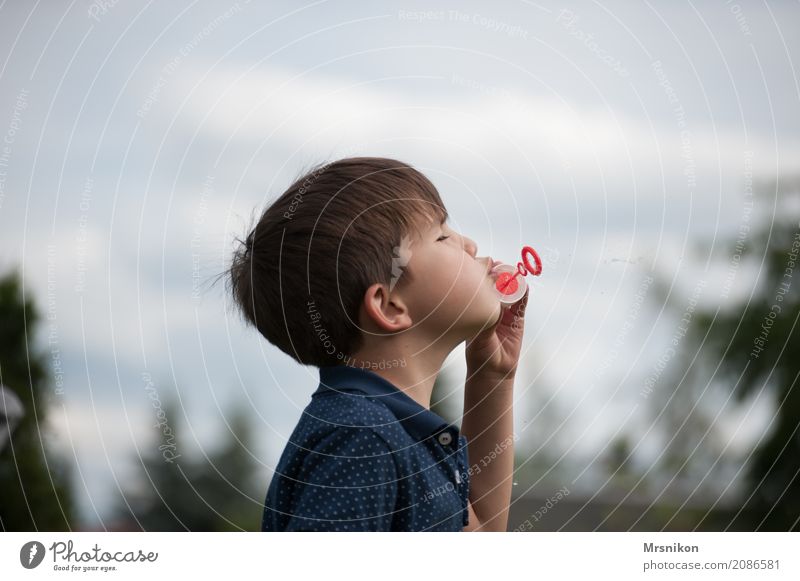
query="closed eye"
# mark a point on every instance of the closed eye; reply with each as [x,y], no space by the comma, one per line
[442,237]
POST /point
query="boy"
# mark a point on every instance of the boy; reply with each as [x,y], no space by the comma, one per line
[354,270]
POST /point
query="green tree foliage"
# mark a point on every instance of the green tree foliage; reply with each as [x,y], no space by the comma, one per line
[755,345]
[181,491]
[35,494]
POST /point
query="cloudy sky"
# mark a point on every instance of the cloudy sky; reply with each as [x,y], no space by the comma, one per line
[140,139]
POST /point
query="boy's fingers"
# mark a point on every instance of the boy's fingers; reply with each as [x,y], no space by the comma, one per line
[522,304]
[516,311]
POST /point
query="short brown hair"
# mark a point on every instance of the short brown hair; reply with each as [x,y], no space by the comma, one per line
[300,275]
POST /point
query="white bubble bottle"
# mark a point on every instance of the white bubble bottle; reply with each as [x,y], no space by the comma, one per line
[509,283]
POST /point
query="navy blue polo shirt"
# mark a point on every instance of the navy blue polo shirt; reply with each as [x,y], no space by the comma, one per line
[367,457]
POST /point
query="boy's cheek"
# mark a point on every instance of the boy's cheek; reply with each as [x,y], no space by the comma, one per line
[453,292]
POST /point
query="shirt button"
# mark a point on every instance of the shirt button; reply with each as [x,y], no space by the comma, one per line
[445,438]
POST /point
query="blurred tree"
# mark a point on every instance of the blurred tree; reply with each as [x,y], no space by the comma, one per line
[161,497]
[754,345]
[618,463]
[178,491]
[687,406]
[541,464]
[35,483]
[227,480]
[773,491]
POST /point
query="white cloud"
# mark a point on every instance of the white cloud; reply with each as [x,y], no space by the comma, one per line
[308,110]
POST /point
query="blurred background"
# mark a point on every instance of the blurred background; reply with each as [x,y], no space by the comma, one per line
[649,152]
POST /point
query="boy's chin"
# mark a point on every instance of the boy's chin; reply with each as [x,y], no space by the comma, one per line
[487,321]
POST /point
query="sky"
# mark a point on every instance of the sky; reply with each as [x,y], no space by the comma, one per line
[140,139]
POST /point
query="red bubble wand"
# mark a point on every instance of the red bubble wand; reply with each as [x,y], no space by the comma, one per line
[510,288]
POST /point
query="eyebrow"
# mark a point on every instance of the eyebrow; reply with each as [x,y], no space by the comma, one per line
[432,224]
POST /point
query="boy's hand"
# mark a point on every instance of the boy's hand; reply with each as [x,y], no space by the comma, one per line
[495,351]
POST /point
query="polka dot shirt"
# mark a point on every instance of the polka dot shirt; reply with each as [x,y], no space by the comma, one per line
[366,457]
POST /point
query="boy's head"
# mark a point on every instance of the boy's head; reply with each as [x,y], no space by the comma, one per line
[356,252]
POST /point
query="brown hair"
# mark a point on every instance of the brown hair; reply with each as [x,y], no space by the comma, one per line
[300,275]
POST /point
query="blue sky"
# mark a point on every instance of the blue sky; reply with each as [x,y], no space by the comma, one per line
[607,135]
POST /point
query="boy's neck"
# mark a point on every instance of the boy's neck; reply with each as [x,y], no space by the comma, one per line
[410,369]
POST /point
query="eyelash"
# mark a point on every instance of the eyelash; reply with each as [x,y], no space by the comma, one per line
[442,238]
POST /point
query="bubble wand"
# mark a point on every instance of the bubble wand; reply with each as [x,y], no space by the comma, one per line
[509,288]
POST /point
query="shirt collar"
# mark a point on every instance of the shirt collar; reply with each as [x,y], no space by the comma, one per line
[418,421]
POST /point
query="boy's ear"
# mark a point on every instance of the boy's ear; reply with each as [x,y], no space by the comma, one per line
[387,310]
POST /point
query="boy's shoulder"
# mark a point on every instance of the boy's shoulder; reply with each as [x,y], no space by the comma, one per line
[351,413]
[362,446]
[358,405]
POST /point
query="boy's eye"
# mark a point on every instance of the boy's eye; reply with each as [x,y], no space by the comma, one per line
[442,237]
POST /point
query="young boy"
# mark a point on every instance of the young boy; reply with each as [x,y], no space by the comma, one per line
[355,270]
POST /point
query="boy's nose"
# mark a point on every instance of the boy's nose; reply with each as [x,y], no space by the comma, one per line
[470,246]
